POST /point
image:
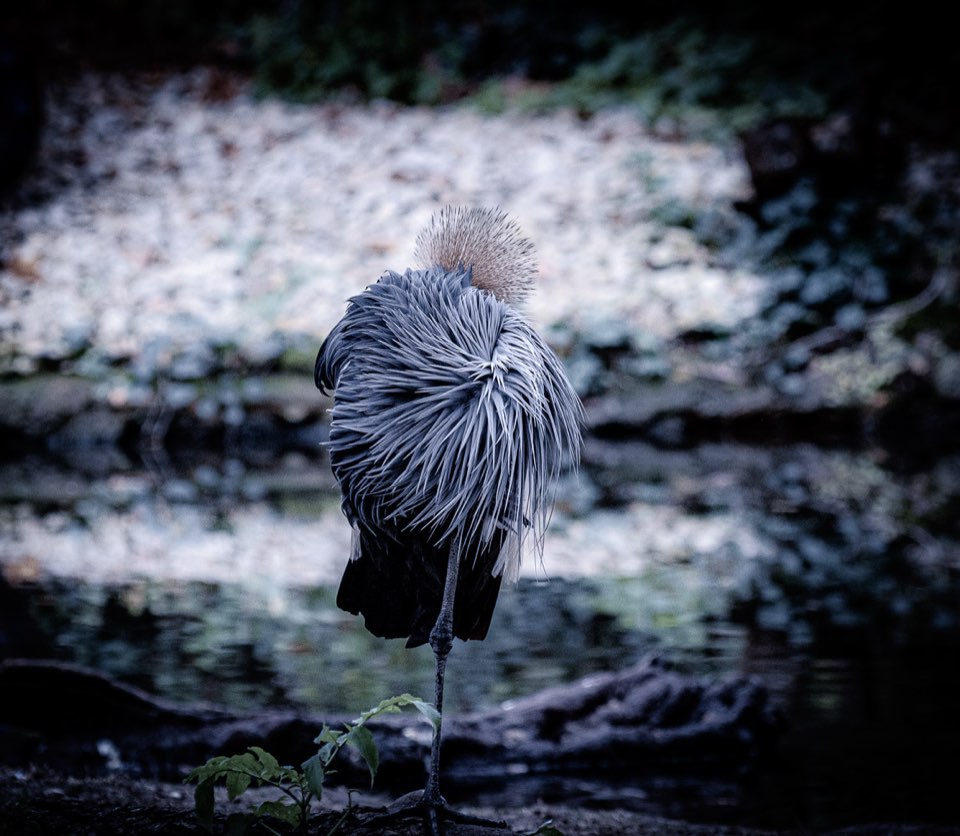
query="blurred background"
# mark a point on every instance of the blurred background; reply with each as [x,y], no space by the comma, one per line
[747,221]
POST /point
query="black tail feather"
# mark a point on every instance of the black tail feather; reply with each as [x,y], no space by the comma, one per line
[398,588]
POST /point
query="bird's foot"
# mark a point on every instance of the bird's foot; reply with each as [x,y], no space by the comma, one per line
[433,810]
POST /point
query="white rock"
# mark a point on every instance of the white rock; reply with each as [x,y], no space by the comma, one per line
[228,221]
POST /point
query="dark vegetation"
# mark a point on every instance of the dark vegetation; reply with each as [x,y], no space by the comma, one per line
[892,60]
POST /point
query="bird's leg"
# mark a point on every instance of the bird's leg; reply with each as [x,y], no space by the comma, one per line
[430,803]
[441,640]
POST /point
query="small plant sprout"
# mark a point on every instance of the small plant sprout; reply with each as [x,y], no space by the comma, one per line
[298,787]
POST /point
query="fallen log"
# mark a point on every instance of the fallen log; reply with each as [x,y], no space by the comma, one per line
[644,716]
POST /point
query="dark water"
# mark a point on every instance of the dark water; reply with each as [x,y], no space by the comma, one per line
[851,618]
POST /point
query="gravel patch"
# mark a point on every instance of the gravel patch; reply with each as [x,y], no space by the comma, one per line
[169,216]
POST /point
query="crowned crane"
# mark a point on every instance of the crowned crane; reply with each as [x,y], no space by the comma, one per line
[452,420]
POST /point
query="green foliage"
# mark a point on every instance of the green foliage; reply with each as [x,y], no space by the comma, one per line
[708,83]
[718,66]
[298,786]
[307,50]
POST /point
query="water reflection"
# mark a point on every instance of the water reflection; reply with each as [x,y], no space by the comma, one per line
[239,647]
[832,575]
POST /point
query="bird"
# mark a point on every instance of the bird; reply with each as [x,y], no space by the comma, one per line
[452,422]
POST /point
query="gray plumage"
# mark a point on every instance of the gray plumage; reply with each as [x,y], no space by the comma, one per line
[451,417]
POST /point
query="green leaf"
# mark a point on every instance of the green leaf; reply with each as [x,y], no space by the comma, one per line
[209,769]
[429,712]
[247,762]
[291,774]
[314,772]
[235,763]
[362,740]
[237,783]
[286,811]
[327,752]
[326,736]
[203,802]
[269,765]
[392,705]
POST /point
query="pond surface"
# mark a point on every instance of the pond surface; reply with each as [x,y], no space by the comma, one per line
[831,575]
